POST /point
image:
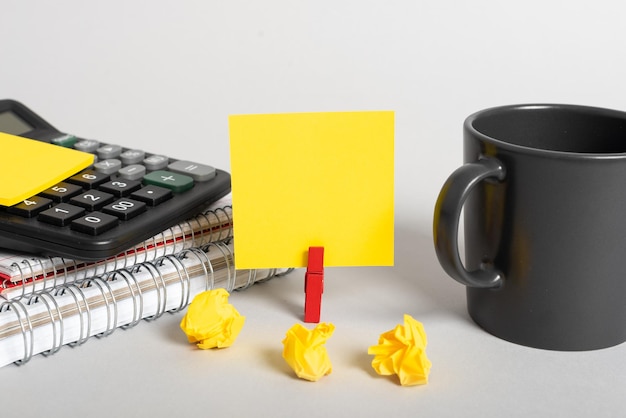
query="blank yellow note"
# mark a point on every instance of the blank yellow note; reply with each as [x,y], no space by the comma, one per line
[29,167]
[313,179]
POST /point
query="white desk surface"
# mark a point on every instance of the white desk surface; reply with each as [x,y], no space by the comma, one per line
[164,76]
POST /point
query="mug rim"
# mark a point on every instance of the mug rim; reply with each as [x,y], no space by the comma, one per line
[468,125]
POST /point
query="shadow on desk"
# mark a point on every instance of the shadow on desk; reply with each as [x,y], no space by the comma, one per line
[417,265]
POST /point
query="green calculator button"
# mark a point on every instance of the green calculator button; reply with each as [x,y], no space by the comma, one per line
[177,183]
[66,141]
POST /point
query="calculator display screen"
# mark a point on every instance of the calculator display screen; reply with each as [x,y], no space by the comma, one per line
[12,124]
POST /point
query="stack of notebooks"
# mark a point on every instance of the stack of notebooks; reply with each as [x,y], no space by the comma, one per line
[48,302]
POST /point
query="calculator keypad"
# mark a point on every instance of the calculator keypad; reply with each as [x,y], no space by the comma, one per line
[30,208]
[61,192]
[125,197]
[96,190]
[177,183]
[120,186]
[95,223]
[92,199]
[108,166]
[61,214]
[152,195]
[89,179]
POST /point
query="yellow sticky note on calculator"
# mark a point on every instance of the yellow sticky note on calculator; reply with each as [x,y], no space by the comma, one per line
[313,179]
[29,167]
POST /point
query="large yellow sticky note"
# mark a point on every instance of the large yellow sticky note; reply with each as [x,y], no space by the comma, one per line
[29,167]
[313,179]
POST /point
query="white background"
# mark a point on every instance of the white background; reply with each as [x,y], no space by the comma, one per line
[164,76]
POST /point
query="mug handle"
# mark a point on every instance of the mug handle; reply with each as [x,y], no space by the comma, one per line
[446,222]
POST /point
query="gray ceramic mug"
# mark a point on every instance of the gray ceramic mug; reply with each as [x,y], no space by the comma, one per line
[543,190]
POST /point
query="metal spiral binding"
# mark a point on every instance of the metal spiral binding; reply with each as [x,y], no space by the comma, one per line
[204,262]
[122,259]
[22,276]
[110,289]
[209,281]
[111,305]
[73,290]
[153,246]
[57,343]
[33,273]
[75,268]
[208,237]
[230,267]
[231,275]
[133,287]
[27,331]
[229,231]
[159,286]
[187,224]
[184,282]
[44,274]
[53,273]
[251,279]
[205,238]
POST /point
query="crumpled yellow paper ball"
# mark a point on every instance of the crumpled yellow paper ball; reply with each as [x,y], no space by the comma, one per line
[402,351]
[305,352]
[211,321]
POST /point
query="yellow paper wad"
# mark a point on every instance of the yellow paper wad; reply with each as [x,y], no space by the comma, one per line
[313,179]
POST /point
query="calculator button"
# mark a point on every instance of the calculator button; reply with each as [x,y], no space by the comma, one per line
[62,192]
[125,209]
[152,195]
[61,214]
[199,172]
[177,183]
[94,223]
[132,156]
[156,162]
[92,199]
[30,207]
[132,172]
[108,166]
[66,141]
[109,151]
[87,145]
[89,179]
[120,187]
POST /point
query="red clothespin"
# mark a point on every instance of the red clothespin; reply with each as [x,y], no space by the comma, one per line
[314,284]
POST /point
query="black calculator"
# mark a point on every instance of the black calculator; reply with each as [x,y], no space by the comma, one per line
[127,196]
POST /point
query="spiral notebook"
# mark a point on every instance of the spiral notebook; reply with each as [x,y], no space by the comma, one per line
[21,275]
[72,313]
